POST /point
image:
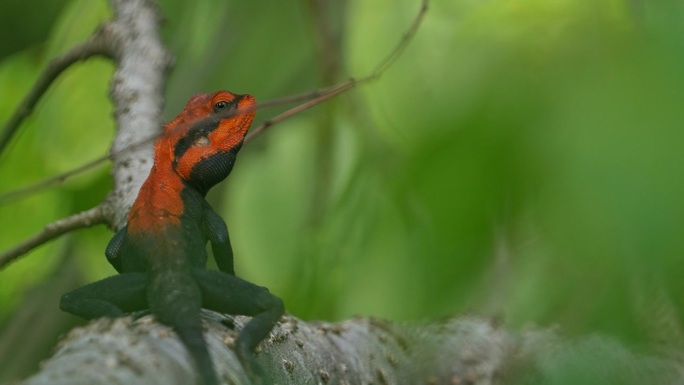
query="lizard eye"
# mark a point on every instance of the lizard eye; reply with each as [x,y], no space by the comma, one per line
[221,106]
[201,141]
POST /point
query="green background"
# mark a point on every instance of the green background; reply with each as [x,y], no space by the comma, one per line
[522,160]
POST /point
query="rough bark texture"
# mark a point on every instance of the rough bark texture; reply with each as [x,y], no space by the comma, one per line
[357,351]
[137,88]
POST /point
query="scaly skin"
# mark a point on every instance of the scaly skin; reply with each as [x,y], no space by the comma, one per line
[161,253]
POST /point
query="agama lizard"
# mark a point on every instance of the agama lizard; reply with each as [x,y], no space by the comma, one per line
[161,253]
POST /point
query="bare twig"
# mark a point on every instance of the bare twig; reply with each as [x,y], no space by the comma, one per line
[94,216]
[319,96]
[329,94]
[34,188]
[96,45]
[401,46]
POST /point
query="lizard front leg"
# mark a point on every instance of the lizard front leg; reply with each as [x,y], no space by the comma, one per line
[216,231]
[114,248]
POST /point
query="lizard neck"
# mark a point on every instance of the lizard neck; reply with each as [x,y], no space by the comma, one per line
[159,203]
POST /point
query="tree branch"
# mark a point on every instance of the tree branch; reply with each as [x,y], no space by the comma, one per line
[357,351]
[96,45]
[137,92]
[57,179]
[94,216]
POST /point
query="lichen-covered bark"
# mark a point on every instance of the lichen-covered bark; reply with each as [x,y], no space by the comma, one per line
[142,64]
[357,351]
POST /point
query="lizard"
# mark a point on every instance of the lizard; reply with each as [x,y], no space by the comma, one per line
[160,254]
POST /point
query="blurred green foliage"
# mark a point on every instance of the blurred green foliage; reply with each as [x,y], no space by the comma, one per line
[522,159]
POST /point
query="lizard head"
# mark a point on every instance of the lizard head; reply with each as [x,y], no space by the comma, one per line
[203,140]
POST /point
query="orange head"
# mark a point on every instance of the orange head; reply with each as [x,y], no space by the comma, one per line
[202,141]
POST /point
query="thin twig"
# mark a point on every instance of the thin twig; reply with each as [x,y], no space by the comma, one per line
[34,188]
[55,180]
[94,216]
[401,45]
[330,92]
[315,98]
[302,107]
[93,46]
